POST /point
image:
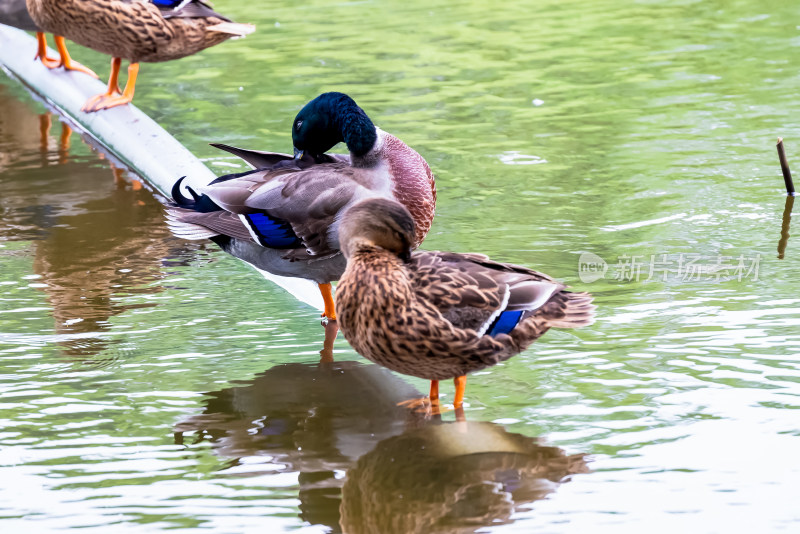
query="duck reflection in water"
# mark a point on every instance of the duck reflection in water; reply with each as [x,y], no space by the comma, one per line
[22,131]
[313,419]
[449,478]
[366,465]
[106,249]
[96,235]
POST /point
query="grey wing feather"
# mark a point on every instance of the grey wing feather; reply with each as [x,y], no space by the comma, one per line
[219,222]
[310,206]
[233,195]
[259,159]
[256,158]
[308,200]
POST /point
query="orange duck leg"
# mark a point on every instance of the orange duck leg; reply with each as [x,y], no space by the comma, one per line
[66,61]
[327,298]
[41,52]
[461,387]
[112,97]
[431,402]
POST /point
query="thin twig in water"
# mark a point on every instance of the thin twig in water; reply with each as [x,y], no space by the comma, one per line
[787,174]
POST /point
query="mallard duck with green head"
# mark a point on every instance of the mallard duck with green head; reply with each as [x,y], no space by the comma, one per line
[439,315]
[136,30]
[284,216]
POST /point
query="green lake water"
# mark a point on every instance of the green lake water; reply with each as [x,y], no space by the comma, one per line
[148,383]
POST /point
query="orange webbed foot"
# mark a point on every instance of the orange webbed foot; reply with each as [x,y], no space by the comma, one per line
[49,62]
[105,101]
[425,405]
[421,406]
[433,399]
[77,67]
[111,98]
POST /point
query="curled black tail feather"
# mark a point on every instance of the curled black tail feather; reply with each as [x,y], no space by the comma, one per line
[178,197]
[201,203]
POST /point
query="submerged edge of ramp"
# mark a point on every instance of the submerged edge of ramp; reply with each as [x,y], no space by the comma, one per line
[125,132]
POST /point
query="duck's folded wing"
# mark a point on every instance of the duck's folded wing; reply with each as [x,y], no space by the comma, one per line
[448,281]
[310,202]
[473,280]
[473,291]
[294,208]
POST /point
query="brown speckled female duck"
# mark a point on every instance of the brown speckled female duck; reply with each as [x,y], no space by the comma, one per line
[137,30]
[439,315]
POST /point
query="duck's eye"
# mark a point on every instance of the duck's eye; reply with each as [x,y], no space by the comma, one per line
[298,124]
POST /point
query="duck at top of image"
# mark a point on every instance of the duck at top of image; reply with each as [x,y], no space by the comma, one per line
[439,315]
[283,217]
[136,30]
[15,13]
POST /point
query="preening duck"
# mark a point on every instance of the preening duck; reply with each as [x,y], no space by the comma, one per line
[439,315]
[136,30]
[15,13]
[284,216]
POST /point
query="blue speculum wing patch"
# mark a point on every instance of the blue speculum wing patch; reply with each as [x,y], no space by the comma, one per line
[272,233]
[505,322]
[166,3]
